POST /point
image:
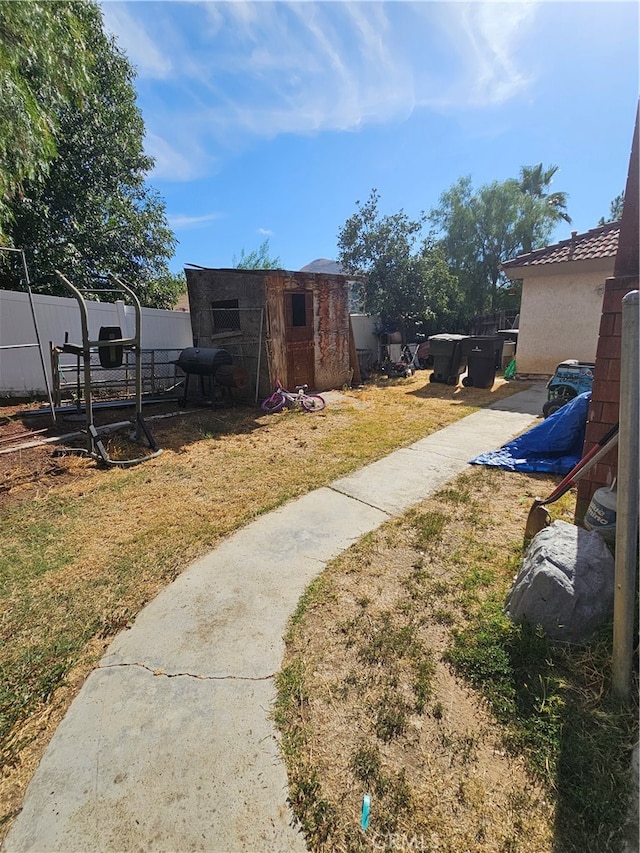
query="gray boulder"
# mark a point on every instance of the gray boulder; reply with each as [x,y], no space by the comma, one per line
[566,583]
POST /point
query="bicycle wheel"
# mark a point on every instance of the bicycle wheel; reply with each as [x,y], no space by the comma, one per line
[274,403]
[312,402]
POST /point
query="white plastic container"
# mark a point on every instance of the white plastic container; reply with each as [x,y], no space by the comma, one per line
[601,515]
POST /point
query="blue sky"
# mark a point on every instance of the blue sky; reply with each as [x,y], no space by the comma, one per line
[269,120]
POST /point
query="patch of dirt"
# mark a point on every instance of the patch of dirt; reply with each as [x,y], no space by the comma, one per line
[32,446]
[32,461]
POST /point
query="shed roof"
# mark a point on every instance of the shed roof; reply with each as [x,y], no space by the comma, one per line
[301,274]
[599,242]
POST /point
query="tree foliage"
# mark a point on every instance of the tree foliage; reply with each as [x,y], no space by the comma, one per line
[615,210]
[163,291]
[454,274]
[92,213]
[401,275]
[44,64]
[481,229]
[258,259]
[542,210]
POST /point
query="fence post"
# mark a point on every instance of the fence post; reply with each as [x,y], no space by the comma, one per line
[627,502]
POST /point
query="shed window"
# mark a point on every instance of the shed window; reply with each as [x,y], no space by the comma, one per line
[298,309]
[225,316]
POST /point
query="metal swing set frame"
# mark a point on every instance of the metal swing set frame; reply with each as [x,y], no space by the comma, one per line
[110,350]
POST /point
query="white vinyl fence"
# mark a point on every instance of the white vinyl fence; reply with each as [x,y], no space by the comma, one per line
[21,369]
[366,340]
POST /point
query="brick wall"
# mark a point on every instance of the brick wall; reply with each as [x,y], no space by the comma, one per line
[605,396]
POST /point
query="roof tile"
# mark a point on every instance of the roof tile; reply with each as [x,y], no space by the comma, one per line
[599,242]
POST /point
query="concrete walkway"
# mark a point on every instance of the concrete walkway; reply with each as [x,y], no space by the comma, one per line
[169,745]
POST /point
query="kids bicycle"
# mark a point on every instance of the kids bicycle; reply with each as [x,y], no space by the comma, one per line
[281,398]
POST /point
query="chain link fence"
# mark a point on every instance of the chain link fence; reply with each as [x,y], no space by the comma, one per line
[160,376]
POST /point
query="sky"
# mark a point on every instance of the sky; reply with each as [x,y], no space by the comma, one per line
[270,120]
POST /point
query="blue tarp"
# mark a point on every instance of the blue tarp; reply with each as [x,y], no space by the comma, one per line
[553,446]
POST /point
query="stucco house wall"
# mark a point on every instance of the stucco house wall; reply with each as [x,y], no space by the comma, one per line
[560,314]
[562,290]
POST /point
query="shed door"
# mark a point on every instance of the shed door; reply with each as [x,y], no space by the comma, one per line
[298,309]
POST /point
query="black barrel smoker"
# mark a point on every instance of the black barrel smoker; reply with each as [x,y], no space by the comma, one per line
[216,365]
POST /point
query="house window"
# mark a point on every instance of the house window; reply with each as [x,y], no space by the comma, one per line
[225,316]
[298,309]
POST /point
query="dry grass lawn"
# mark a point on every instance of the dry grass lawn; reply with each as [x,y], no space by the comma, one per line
[534,757]
[385,714]
[84,548]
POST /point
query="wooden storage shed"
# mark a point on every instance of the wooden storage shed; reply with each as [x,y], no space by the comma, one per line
[292,326]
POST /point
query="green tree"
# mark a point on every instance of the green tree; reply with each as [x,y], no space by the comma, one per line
[93,213]
[165,291]
[44,64]
[615,210]
[259,259]
[542,209]
[480,229]
[399,274]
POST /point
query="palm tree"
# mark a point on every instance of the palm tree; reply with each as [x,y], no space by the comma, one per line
[552,207]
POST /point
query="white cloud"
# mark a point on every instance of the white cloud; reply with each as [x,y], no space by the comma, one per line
[496,30]
[181,222]
[180,160]
[301,68]
[266,232]
[237,71]
[149,59]
[484,38]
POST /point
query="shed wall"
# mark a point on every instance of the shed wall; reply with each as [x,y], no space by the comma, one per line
[207,286]
[247,345]
[258,290]
[330,330]
[331,311]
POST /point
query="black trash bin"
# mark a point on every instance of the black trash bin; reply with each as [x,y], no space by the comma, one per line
[448,359]
[483,358]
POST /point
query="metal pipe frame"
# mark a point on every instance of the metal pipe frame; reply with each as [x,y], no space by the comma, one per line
[87,345]
[35,325]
